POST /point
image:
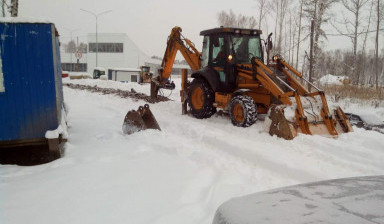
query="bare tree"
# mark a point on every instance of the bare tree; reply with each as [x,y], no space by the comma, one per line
[318,11]
[263,7]
[299,34]
[364,56]
[379,18]
[275,8]
[352,27]
[282,8]
[3,7]
[70,47]
[230,19]
[83,47]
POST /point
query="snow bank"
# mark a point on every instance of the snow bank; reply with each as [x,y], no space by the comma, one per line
[126,86]
[333,80]
[61,129]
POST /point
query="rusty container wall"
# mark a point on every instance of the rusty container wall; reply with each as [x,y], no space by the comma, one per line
[31,94]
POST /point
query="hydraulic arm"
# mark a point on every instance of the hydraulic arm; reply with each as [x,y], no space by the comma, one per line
[176,42]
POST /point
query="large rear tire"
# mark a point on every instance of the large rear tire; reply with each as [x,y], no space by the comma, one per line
[243,111]
[200,99]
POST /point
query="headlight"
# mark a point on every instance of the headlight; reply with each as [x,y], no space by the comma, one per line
[275,58]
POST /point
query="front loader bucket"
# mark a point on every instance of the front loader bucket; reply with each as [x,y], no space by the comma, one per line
[141,119]
[277,124]
[283,122]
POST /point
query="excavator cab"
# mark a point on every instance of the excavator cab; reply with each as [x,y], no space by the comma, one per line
[223,48]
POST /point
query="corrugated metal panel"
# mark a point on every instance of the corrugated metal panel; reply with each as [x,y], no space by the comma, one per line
[28,107]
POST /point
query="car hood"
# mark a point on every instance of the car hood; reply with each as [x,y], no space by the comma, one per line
[351,200]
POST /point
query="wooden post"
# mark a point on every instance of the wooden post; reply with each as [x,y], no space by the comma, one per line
[183,91]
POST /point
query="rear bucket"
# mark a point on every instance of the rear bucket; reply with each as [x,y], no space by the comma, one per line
[288,126]
[141,119]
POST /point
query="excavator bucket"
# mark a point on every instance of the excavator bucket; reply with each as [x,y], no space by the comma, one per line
[284,121]
[141,119]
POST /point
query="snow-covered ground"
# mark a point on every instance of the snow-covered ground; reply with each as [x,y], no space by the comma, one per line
[178,175]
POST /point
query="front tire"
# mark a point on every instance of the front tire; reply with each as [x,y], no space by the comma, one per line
[243,111]
[200,99]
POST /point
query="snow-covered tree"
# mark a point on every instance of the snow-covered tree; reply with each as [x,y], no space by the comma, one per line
[230,19]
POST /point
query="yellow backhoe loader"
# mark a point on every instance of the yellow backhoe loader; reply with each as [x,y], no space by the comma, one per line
[145,74]
[230,74]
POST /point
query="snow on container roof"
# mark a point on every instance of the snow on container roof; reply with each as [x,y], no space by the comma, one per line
[24,20]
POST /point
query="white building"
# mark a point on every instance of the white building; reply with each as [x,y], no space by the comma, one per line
[115,50]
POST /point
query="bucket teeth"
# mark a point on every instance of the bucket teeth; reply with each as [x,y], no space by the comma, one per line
[288,128]
[141,119]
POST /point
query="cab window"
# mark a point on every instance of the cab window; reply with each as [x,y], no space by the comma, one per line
[205,52]
[218,51]
[245,47]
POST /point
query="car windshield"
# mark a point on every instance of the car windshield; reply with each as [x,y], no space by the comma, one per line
[244,48]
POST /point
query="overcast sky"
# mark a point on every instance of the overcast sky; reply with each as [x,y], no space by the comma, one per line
[147,22]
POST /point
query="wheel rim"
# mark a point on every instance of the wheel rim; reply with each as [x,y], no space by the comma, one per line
[238,113]
[197,98]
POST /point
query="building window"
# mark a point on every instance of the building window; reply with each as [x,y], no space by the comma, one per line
[107,47]
[74,67]
[133,78]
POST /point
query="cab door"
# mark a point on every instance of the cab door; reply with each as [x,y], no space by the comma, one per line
[219,61]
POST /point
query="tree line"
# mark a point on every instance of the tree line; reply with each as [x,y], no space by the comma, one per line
[361,21]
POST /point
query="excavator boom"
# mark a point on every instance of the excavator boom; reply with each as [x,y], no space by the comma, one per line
[176,42]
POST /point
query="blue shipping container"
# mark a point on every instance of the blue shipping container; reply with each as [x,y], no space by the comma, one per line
[31,95]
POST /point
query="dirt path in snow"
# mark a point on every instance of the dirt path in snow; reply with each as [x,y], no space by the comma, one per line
[121,93]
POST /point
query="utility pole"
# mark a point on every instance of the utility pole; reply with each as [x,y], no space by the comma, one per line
[311,55]
[14,7]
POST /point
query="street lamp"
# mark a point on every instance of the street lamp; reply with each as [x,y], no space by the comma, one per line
[96,15]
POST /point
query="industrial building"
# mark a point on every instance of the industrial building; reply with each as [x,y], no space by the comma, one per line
[115,50]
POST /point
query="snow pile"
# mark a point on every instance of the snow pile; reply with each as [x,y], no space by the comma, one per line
[61,129]
[371,119]
[333,80]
